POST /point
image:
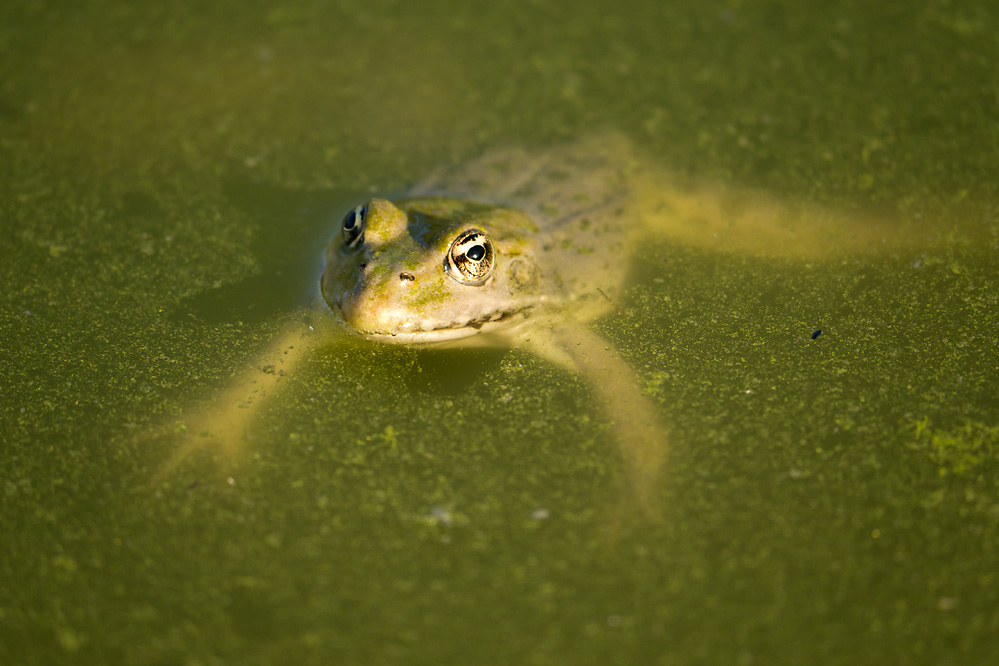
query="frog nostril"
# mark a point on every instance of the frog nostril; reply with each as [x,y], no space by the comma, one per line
[362,266]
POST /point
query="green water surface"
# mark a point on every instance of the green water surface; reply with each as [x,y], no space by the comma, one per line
[167,176]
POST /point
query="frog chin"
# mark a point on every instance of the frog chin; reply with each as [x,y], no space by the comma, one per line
[460,335]
[422,337]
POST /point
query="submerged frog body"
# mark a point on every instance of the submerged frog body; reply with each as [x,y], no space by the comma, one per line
[535,237]
[516,248]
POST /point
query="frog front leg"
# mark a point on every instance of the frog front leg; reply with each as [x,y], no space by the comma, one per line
[221,423]
[638,430]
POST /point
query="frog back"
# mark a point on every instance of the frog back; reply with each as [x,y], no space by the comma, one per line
[577,193]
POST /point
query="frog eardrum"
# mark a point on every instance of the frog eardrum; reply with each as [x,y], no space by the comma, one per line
[353,226]
[470,259]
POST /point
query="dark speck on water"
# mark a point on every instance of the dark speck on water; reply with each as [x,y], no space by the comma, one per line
[816,334]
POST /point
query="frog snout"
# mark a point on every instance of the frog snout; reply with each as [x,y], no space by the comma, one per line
[373,304]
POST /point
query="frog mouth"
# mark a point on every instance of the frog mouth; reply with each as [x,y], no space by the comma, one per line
[470,328]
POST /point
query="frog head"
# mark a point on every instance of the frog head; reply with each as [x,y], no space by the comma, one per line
[431,269]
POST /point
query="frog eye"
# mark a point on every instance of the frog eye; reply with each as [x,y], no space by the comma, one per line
[470,259]
[353,226]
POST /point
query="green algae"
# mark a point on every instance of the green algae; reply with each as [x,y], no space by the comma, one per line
[829,501]
[967,450]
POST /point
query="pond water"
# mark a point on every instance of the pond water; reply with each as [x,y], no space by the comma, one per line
[170,176]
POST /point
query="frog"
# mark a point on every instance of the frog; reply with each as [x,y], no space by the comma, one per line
[527,248]
[493,250]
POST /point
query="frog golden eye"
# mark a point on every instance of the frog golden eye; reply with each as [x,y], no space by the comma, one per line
[470,259]
[353,226]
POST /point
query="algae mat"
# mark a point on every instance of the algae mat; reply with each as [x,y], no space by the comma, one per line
[169,177]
